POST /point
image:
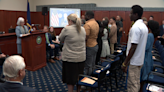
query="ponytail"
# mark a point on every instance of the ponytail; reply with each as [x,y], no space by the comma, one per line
[78,24]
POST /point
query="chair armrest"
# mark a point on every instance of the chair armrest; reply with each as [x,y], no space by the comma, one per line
[155,73]
[111,56]
[158,66]
[119,48]
[120,45]
[157,85]
[123,43]
[98,66]
[154,54]
[154,51]
[82,75]
[158,60]
[154,48]
[106,60]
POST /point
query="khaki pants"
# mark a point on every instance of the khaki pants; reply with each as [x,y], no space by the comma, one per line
[112,48]
[134,78]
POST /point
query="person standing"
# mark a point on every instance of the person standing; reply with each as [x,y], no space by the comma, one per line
[144,20]
[108,28]
[151,17]
[161,34]
[148,61]
[105,45]
[92,30]
[113,34]
[161,29]
[119,28]
[99,41]
[74,51]
[21,30]
[135,49]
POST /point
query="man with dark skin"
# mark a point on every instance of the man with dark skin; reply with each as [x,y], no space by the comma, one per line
[135,49]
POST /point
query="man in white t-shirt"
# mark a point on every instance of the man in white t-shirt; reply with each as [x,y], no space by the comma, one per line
[135,49]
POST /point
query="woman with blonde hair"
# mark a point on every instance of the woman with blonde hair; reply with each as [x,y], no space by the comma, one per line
[73,51]
[21,30]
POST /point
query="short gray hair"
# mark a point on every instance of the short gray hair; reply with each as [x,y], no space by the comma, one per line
[12,65]
[20,19]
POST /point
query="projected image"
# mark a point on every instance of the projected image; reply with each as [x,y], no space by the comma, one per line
[58,16]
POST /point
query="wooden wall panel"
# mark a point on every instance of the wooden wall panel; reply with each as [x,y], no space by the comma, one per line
[157,16]
[113,14]
[2,26]
[9,18]
[99,15]
[21,14]
[127,25]
[162,15]
[14,19]
[83,12]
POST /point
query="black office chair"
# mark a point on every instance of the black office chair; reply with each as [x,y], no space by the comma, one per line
[98,81]
[11,30]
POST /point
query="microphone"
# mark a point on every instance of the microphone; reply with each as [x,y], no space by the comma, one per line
[35,24]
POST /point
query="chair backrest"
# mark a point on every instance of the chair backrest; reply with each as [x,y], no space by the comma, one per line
[162,57]
[115,64]
[157,44]
[102,74]
[11,30]
[160,49]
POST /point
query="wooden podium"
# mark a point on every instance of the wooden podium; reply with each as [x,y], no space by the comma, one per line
[34,50]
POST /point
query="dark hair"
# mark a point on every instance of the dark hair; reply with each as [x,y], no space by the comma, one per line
[105,23]
[137,9]
[152,16]
[106,18]
[90,14]
[82,21]
[154,27]
[113,18]
[99,23]
[52,33]
[100,28]
[121,19]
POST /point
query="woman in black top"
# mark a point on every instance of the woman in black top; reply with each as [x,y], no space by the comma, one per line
[55,41]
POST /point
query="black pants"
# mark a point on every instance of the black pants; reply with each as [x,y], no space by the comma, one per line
[98,52]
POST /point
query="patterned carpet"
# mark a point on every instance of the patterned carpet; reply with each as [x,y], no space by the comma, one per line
[49,79]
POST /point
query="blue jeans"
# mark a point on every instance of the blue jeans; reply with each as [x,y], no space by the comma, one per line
[90,59]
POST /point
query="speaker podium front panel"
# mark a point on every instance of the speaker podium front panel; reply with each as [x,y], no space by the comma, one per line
[34,51]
